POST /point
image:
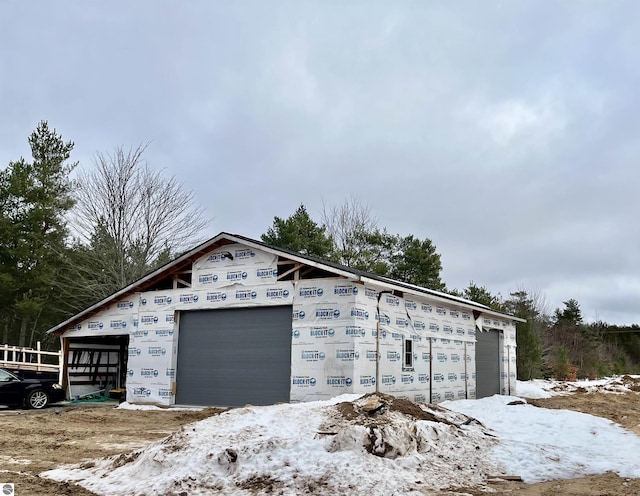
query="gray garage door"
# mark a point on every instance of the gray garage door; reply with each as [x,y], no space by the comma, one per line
[234,357]
[487,363]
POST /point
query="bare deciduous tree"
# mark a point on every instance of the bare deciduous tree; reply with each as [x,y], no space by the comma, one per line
[348,224]
[131,218]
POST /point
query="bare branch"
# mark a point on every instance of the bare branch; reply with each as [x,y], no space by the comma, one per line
[128,214]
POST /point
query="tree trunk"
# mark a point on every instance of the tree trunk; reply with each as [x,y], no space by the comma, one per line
[23,333]
[33,328]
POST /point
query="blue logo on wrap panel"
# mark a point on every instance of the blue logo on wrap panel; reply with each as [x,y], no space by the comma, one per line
[276,293]
[216,296]
[384,319]
[312,355]
[148,373]
[188,298]
[321,332]
[246,294]
[207,278]
[345,290]
[310,292]
[148,319]
[123,305]
[162,300]
[269,273]
[327,313]
[367,380]
[141,392]
[392,301]
[347,355]
[406,379]
[303,380]
[339,381]
[360,313]
[244,253]
[355,332]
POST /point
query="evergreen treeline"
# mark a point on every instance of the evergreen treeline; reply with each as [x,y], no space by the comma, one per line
[65,244]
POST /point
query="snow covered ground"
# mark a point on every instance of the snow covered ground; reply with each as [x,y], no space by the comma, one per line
[370,445]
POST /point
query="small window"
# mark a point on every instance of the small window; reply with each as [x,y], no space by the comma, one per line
[408,354]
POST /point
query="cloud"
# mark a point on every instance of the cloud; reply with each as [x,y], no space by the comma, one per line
[505,132]
[519,124]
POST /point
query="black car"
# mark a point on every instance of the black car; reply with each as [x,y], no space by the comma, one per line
[32,393]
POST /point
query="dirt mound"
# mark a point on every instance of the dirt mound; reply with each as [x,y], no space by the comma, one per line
[632,383]
[387,424]
[372,407]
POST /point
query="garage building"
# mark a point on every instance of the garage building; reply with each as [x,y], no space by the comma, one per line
[236,321]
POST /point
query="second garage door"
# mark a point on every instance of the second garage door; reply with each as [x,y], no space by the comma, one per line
[234,357]
[487,363]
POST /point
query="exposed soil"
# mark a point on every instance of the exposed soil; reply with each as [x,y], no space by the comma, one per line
[623,409]
[32,442]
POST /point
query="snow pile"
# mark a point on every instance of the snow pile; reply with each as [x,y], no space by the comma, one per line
[375,445]
[154,408]
[539,388]
[370,445]
[532,389]
[540,444]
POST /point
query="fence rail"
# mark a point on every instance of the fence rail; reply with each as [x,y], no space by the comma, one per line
[23,358]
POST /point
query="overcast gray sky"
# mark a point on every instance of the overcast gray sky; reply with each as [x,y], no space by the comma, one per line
[506,132]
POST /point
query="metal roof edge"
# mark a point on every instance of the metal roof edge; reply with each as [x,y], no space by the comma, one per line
[502,315]
[418,291]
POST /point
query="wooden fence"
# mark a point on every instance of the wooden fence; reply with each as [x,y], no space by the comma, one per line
[32,359]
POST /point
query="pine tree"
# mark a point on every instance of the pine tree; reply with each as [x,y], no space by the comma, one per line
[34,198]
[301,234]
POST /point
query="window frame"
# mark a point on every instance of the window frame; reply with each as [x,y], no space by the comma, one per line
[407,354]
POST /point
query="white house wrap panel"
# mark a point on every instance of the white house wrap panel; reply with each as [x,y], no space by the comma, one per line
[347,336]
